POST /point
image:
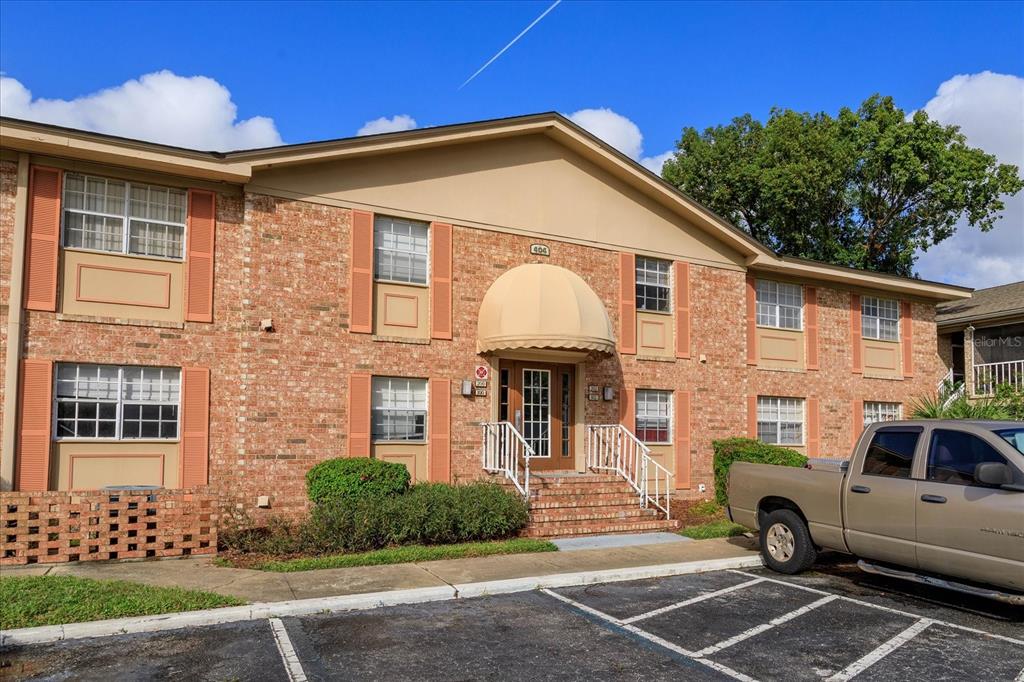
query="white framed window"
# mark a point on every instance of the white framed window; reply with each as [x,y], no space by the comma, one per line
[779,304]
[780,420]
[119,402]
[875,411]
[124,217]
[401,250]
[880,318]
[653,285]
[399,409]
[654,416]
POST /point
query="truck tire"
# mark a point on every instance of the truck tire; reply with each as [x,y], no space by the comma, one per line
[786,543]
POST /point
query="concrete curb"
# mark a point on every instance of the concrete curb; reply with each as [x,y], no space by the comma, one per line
[355,602]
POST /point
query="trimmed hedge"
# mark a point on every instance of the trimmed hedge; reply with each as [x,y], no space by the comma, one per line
[731,450]
[355,477]
[427,514]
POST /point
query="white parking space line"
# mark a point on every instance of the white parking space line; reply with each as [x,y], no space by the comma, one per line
[292,665]
[865,662]
[906,614]
[1020,677]
[725,670]
[747,634]
[693,600]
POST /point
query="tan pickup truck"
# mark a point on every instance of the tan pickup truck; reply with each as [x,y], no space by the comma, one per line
[934,501]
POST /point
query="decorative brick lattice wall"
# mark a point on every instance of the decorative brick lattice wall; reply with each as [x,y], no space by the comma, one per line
[60,526]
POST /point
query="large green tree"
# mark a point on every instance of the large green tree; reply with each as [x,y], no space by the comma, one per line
[866,188]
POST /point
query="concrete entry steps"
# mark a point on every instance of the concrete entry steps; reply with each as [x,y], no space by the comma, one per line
[580,505]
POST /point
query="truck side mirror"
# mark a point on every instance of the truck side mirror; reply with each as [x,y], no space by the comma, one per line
[992,473]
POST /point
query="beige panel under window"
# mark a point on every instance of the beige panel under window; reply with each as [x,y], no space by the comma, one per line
[106,285]
[881,358]
[655,334]
[780,348]
[92,465]
[400,310]
[413,456]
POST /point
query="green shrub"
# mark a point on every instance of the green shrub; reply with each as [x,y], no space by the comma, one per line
[731,450]
[355,477]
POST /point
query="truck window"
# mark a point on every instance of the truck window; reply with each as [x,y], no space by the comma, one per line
[1014,437]
[891,453]
[953,455]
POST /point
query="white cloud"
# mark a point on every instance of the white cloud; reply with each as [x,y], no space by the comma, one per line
[989,108]
[388,125]
[194,112]
[619,132]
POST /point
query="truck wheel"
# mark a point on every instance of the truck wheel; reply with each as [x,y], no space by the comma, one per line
[786,543]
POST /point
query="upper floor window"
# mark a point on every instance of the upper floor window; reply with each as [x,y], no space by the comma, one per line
[779,304]
[124,217]
[652,284]
[780,420]
[400,250]
[881,412]
[109,401]
[399,409]
[880,318]
[654,416]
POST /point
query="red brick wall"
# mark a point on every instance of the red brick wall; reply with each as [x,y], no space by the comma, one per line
[278,401]
[8,190]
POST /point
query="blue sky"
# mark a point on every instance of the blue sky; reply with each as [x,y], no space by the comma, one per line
[323,70]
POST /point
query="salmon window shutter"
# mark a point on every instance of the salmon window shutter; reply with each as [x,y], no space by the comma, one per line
[813,428]
[811,313]
[440,430]
[359,387]
[682,419]
[440,281]
[752,416]
[202,226]
[858,420]
[751,321]
[682,309]
[43,239]
[195,426]
[34,402]
[855,331]
[627,304]
[907,337]
[627,408]
[361,284]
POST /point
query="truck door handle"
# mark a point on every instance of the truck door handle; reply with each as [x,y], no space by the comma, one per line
[859,489]
[934,499]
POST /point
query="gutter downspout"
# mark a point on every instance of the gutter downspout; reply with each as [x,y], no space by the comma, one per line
[14,327]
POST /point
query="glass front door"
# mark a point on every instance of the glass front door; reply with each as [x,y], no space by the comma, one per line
[538,399]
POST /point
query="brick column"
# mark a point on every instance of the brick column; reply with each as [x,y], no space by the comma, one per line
[969,361]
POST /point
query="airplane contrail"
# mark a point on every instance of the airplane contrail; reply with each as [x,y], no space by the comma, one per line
[511,43]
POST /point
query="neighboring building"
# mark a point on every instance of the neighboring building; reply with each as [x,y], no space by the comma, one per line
[981,340]
[227,320]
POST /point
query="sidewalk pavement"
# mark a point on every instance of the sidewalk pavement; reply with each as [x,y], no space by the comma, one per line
[261,586]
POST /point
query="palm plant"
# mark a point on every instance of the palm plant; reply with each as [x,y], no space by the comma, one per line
[950,402]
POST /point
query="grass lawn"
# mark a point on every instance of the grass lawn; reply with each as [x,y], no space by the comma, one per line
[408,554]
[27,601]
[720,528]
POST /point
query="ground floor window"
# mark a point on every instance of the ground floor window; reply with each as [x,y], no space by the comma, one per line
[780,420]
[654,416]
[112,401]
[875,411]
[399,409]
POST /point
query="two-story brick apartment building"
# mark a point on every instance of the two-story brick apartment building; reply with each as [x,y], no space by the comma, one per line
[180,318]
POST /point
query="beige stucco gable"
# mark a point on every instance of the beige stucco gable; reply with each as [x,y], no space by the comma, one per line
[528,184]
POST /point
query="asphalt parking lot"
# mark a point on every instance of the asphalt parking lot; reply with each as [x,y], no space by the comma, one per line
[831,624]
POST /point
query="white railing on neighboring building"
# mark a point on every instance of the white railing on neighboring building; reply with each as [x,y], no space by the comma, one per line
[613,447]
[989,375]
[506,451]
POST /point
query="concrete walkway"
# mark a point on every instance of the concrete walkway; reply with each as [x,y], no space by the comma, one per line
[260,586]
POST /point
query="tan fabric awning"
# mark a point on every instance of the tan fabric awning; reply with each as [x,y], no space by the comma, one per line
[543,306]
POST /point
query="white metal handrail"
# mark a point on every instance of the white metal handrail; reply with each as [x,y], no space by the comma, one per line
[503,448]
[946,380]
[989,375]
[613,447]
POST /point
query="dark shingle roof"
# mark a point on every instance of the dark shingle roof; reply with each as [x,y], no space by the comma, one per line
[1004,300]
